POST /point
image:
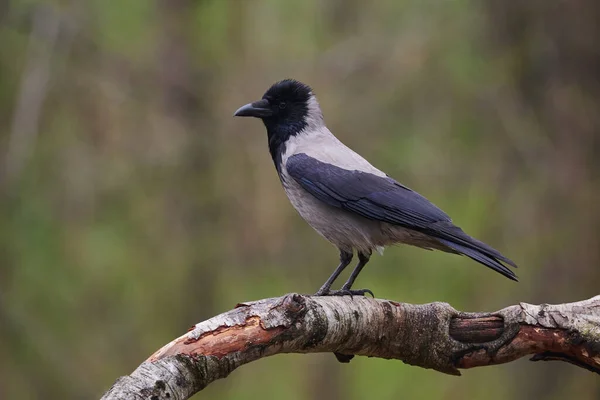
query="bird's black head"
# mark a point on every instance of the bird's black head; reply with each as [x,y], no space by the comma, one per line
[286,109]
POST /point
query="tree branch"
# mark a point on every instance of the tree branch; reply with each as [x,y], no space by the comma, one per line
[430,336]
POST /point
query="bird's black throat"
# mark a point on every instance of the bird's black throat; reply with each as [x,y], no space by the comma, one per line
[278,134]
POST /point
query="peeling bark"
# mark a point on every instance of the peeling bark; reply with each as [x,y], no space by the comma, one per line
[429,336]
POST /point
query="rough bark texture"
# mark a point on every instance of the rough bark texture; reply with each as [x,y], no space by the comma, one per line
[430,336]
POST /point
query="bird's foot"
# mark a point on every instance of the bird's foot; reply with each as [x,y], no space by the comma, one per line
[346,292]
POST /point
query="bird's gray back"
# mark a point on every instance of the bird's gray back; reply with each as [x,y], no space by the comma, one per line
[344,229]
[320,144]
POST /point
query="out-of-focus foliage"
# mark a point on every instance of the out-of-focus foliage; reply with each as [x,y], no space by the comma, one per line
[133,205]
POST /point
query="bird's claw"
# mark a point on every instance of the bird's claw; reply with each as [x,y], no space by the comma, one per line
[359,292]
[346,292]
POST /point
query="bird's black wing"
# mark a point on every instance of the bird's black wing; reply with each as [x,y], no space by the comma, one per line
[383,199]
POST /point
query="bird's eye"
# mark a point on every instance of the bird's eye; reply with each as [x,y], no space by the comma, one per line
[282,105]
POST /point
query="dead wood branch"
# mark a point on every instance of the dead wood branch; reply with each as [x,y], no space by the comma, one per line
[430,336]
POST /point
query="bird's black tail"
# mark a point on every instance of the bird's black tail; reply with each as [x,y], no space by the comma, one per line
[464,244]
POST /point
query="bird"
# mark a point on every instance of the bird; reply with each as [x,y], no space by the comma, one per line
[348,201]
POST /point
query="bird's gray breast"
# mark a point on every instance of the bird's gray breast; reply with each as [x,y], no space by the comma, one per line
[344,229]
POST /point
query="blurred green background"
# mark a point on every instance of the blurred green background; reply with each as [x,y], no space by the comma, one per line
[133,205]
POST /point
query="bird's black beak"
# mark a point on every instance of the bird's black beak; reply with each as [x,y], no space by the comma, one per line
[258,109]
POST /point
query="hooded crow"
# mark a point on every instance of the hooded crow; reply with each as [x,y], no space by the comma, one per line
[344,198]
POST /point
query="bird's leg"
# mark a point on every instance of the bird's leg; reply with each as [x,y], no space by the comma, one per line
[345,259]
[363,259]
